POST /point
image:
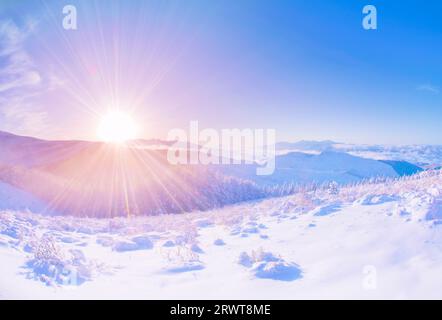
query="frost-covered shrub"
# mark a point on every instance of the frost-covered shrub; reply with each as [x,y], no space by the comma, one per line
[333,188]
[105,241]
[196,248]
[123,246]
[46,249]
[169,244]
[189,234]
[143,242]
[53,266]
[245,260]
[277,270]
[435,211]
[266,265]
[136,243]
[182,259]
[219,242]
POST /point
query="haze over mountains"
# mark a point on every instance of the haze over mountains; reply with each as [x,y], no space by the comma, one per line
[427,156]
[97,179]
[304,168]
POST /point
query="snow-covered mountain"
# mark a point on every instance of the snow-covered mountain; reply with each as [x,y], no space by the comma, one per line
[305,168]
[31,152]
[367,241]
[96,179]
[377,238]
[427,156]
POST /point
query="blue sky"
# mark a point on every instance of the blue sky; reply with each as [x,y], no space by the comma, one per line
[306,68]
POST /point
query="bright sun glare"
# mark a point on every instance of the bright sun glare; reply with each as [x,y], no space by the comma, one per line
[116,127]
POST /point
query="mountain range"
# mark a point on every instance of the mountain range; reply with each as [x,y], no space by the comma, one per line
[102,180]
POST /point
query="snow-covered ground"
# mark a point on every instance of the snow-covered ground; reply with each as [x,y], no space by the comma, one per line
[378,240]
[12,198]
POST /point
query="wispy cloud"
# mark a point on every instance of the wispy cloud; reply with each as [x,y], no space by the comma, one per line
[18,70]
[429,88]
[19,80]
[21,117]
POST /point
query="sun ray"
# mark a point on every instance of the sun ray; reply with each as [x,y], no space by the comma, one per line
[116,127]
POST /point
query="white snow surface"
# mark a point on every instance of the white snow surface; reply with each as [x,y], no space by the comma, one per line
[16,199]
[369,241]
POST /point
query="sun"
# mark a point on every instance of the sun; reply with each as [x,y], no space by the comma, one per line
[116,127]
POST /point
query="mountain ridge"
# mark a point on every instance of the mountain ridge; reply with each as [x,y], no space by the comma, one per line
[83,177]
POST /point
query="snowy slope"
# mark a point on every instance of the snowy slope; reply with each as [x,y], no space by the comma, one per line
[12,198]
[421,155]
[32,152]
[92,179]
[89,179]
[368,241]
[303,168]
[403,168]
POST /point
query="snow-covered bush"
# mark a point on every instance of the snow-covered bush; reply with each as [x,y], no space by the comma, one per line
[136,243]
[266,265]
[182,259]
[52,266]
[435,211]
[219,242]
[47,250]
[333,188]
